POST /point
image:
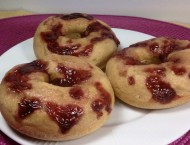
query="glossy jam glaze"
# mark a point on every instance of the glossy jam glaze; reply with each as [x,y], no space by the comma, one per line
[27,106]
[178,70]
[76,93]
[17,79]
[161,91]
[127,59]
[131,80]
[70,76]
[156,71]
[103,102]
[65,116]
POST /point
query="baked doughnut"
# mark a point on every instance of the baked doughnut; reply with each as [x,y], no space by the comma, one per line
[56,98]
[78,35]
[152,74]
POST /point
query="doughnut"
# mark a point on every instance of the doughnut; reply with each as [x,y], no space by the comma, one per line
[56,98]
[152,74]
[75,34]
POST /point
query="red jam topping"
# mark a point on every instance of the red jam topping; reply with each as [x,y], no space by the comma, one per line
[161,91]
[156,71]
[76,16]
[103,102]
[106,32]
[17,79]
[131,80]
[131,61]
[27,106]
[175,60]
[169,46]
[154,47]
[178,70]
[65,116]
[64,50]
[76,93]
[98,106]
[71,76]
[127,59]
[52,35]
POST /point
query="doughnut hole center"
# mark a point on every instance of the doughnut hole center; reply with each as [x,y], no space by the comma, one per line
[144,56]
[75,32]
[151,60]
[39,76]
[73,35]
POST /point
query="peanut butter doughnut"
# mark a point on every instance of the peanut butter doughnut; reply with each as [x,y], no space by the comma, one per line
[56,98]
[76,34]
[153,74]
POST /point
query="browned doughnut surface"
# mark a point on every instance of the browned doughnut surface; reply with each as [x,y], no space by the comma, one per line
[152,74]
[76,34]
[56,98]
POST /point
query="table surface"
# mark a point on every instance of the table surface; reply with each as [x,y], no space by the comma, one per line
[13,13]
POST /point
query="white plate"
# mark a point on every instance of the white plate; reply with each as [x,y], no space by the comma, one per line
[127,125]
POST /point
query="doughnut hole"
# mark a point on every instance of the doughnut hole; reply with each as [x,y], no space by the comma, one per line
[143,55]
[73,35]
[39,76]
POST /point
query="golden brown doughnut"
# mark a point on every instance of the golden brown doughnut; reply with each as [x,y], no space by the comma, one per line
[56,98]
[152,74]
[76,34]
